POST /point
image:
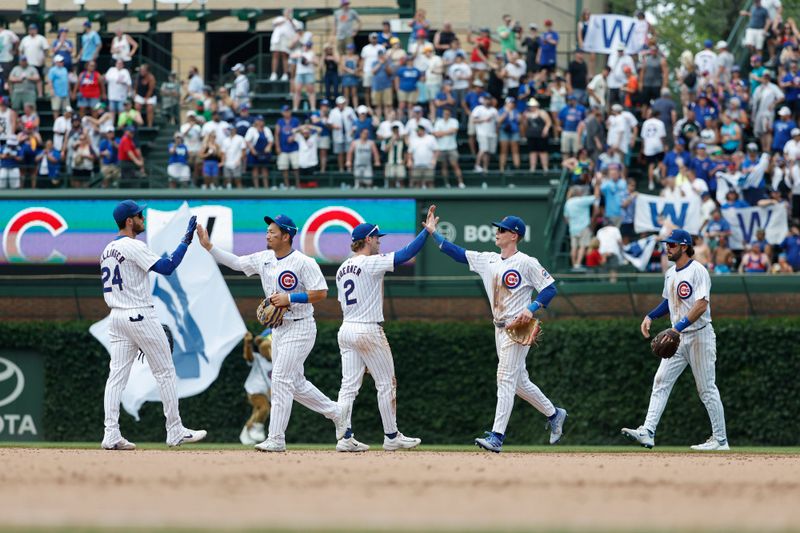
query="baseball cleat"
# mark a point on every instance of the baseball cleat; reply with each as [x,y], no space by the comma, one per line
[245,438]
[712,445]
[271,445]
[556,426]
[490,441]
[351,445]
[121,444]
[341,423]
[641,435]
[190,436]
[400,442]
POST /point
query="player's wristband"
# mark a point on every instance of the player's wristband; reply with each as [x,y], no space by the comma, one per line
[299,297]
[682,324]
[535,306]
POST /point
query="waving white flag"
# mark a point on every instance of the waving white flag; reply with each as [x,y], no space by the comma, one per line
[196,305]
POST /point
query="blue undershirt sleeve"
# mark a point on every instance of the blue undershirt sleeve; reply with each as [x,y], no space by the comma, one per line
[456,252]
[661,310]
[167,265]
[411,249]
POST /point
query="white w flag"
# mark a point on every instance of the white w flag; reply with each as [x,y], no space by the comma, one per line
[683,213]
[606,32]
[638,253]
[196,305]
[746,221]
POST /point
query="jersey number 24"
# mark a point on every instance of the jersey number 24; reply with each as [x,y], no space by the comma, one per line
[115,280]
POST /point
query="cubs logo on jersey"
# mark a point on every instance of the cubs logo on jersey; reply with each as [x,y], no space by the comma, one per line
[512,279]
[287,280]
[684,290]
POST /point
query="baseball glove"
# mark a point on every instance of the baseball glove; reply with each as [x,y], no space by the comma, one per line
[666,343]
[269,315]
[526,334]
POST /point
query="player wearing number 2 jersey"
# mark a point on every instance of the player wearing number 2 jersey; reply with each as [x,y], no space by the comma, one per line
[509,278]
[125,266]
[362,341]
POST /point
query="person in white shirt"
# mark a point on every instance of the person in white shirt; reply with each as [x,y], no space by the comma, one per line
[622,127]
[340,121]
[434,76]
[217,126]
[61,128]
[384,132]
[369,55]
[118,86]
[194,89]
[241,86]
[653,136]
[597,89]
[445,129]
[484,117]
[308,148]
[791,150]
[284,31]
[461,74]
[763,104]
[8,49]
[417,120]
[423,151]
[706,60]
[617,78]
[306,76]
[512,73]
[610,248]
[34,47]
[123,47]
[192,134]
[235,150]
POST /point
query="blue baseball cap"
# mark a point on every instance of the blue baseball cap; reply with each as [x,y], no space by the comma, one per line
[708,43]
[512,223]
[125,209]
[679,236]
[283,222]
[325,101]
[362,231]
[285,107]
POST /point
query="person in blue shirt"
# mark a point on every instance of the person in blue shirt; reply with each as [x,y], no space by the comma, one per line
[706,113]
[386,34]
[701,164]
[58,85]
[782,130]
[445,99]
[569,118]
[10,159]
[732,200]
[508,124]
[382,81]
[407,80]
[614,190]
[108,149]
[63,47]
[48,167]
[790,85]
[287,147]
[178,168]
[547,50]
[90,46]
[791,247]
[363,122]
[715,228]
[669,165]
[243,122]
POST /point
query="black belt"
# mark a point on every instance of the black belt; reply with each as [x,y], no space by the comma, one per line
[698,329]
[499,323]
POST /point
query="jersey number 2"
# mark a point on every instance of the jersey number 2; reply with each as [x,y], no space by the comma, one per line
[349,287]
[116,280]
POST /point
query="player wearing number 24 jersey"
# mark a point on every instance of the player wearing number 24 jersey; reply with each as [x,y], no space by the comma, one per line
[362,341]
[125,266]
[509,278]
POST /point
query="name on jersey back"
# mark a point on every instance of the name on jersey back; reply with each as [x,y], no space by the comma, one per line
[349,269]
[114,253]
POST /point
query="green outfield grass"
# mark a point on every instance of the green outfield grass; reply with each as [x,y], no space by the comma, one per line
[454,448]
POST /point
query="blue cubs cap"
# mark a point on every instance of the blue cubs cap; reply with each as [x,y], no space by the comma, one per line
[125,209]
[285,108]
[283,222]
[708,43]
[512,223]
[362,231]
[679,236]
[325,101]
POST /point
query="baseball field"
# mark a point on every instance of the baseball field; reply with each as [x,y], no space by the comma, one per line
[78,487]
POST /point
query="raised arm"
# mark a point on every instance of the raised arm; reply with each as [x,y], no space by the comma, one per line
[167,265]
[222,257]
[456,252]
[413,248]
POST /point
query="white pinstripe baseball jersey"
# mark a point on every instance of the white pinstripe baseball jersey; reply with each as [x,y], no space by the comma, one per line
[124,267]
[359,282]
[295,272]
[508,282]
[682,288]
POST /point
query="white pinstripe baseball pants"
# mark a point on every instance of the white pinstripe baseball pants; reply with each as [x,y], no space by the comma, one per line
[364,346]
[513,379]
[127,338]
[291,343]
[698,349]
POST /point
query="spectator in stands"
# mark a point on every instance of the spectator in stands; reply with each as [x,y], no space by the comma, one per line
[760,240]
[64,47]
[241,86]
[34,47]
[782,130]
[722,256]
[48,167]
[613,189]
[259,141]
[610,248]
[423,152]
[594,133]
[386,34]
[593,258]
[471,101]
[178,168]
[653,75]
[213,157]
[484,116]
[628,206]
[119,83]
[234,149]
[577,212]
[617,77]
[434,76]
[547,48]
[395,148]
[569,125]
[460,74]
[716,228]
[791,247]
[577,77]
[287,146]
[622,129]
[58,86]
[536,125]
[109,159]
[765,99]
[9,43]
[443,38]
[331,59]
[195,85]
[790,85]
[364,121]
[395,51]
[480,53]
[22,84]
[532,42]
[508,122]
[341,120]
[145,93]
[346,25]
[10,160]
[284,32]
[557,90]
[361,156]
[382,82]
[782,266]
[725,63]
[667,113]
[130,158]
[308,149]
[129,116]
[631,89]
[350,75]
[445,129]
[654,137]
[407,86]
[91,44]
[320,120]
[755,34]
[513,73]
[83,160]
[444,100]
[90,89]
[419,22]
[369,56]
[123,47]
[306,77]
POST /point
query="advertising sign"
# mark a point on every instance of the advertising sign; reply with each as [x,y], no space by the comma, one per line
[21,396]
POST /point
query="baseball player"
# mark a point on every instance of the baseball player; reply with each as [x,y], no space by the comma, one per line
[509,277]
[291,279]
[124,267]
[257,385]
[687,297]
[363,343]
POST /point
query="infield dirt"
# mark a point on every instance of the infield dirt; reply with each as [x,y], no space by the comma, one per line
[399,491]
